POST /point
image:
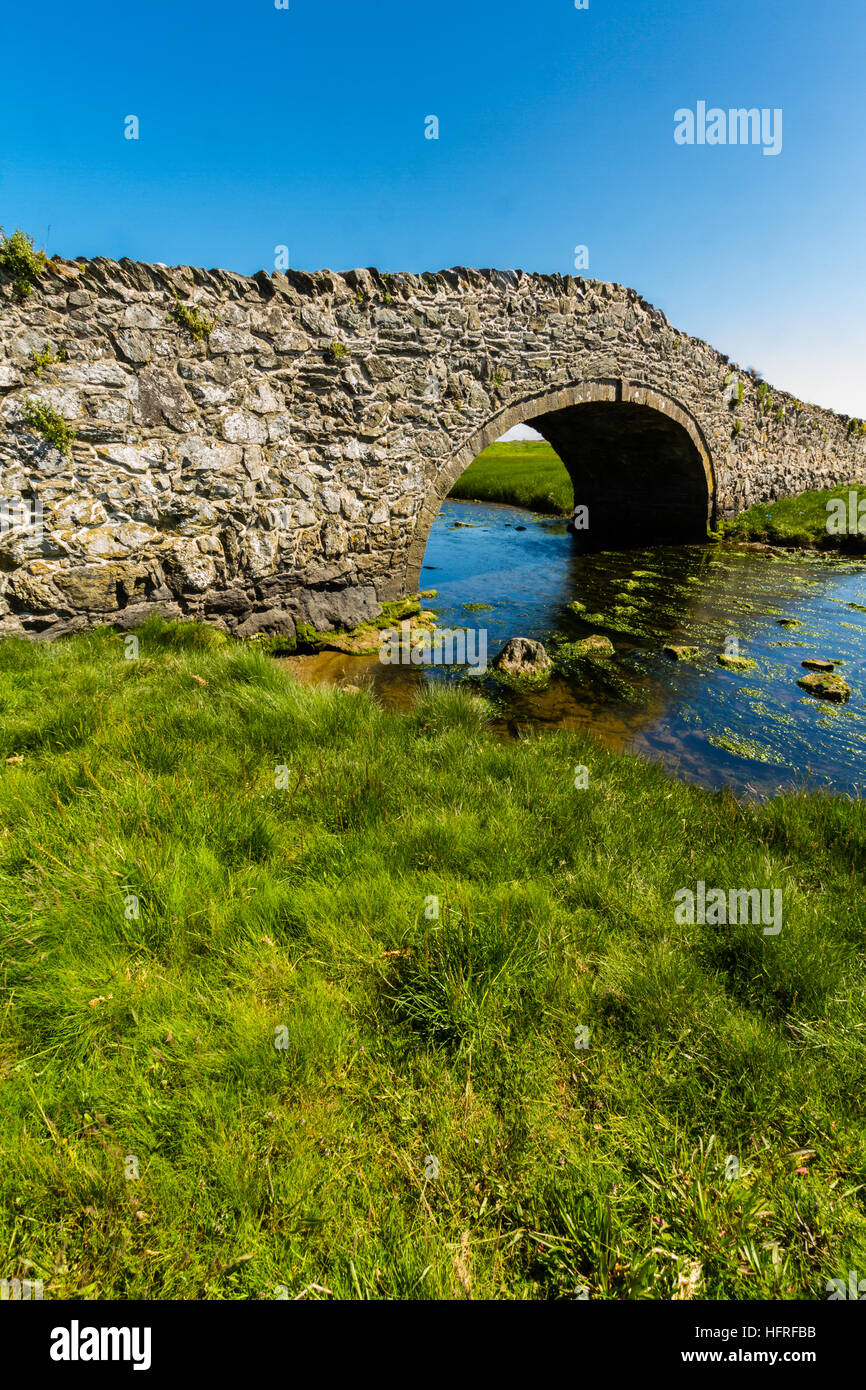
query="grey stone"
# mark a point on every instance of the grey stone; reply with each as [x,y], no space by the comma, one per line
[272,622]
[327,610]
[523,656]
[138,613]
[178,440]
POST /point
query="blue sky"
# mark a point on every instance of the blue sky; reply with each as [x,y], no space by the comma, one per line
[305,127]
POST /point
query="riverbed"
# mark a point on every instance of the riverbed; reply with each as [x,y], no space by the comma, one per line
[507,572]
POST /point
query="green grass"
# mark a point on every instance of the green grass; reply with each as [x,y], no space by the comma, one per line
[525,474]
[795,521]
[406,1036]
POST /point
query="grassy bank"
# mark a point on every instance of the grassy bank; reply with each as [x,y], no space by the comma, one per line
[303,915]
[529,474]
[796,521]
[524,474]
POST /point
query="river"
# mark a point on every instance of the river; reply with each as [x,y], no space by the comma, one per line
[509,572]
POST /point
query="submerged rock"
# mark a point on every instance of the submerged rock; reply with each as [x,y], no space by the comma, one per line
[594,646]
[682,653]
[736,663]
[789,622]
[826,685]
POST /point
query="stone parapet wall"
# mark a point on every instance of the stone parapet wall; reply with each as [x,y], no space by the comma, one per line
[282,467]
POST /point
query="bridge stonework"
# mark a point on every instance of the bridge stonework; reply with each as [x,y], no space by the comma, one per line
[288,465]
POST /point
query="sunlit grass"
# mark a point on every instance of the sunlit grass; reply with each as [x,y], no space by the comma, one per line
[524,474]
[422,917]
[799,521]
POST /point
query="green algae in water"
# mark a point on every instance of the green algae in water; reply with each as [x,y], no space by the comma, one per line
[763,710]
[746,748]
[697,596]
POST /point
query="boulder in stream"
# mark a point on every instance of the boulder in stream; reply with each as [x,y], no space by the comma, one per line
[826,685]
[522,658]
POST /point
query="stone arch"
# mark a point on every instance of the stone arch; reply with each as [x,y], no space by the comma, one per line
[553,413]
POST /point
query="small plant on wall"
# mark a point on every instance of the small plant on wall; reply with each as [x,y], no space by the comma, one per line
[45,421]
[190,317]
[21,261]
[44,357]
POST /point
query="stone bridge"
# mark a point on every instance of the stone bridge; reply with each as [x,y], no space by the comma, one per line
[260,451]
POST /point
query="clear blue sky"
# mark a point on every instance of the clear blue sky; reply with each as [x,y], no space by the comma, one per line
[305,127]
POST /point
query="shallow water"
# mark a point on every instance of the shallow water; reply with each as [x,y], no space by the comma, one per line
[756,731]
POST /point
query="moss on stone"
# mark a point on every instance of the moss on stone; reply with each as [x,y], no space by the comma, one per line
[826,685]
[736,663]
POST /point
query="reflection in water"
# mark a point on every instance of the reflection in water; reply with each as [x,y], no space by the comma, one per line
[754,730]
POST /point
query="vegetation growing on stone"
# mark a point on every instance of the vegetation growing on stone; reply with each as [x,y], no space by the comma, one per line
[44,357]
[192,318]
[363,639]
[45,421]
[20,260]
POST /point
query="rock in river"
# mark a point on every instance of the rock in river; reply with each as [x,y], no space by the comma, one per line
[826,686]
[736,663]
[522,656]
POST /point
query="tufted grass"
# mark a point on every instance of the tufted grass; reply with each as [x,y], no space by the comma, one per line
[527,473]
[797,521]
[406,1037]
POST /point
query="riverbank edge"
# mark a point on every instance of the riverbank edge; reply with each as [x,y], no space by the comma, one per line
[790,523]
